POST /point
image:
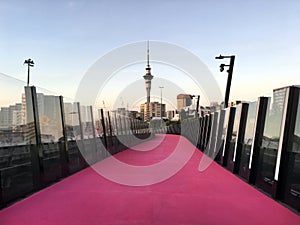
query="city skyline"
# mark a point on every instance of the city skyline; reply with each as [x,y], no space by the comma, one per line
[65,38]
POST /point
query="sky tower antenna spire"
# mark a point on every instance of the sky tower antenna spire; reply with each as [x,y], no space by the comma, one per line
[148,63]
[148,77]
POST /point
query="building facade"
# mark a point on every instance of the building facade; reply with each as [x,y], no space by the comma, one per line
[183,100]
[11,116]
[155,110]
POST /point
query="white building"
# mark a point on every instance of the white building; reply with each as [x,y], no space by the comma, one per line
[11,116]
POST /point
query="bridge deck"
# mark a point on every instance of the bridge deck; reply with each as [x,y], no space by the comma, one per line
[214,196]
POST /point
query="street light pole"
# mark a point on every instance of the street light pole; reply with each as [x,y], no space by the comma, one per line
[29,63]
[230,72]
[161,102]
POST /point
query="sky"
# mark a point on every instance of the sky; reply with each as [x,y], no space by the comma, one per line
[65,38]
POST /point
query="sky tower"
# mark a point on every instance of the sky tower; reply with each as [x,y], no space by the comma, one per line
[148,77]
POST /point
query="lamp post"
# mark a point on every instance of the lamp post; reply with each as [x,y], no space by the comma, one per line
[161,102]
[230,71]
[29,63]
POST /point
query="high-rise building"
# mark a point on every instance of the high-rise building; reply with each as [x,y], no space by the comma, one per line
[24,121]
[4,117]
[11,116]
[49,116]
[279,99]
[183,100]
[155,108]
[69,114]
[17,118]
[148,77]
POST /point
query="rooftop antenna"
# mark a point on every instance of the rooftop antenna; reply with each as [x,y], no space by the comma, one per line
[148,64]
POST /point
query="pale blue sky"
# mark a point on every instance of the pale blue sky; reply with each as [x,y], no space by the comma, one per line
[65,38]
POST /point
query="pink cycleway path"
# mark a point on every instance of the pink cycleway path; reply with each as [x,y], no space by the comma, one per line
[214,196]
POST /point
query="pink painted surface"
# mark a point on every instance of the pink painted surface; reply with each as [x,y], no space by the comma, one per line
[214,196]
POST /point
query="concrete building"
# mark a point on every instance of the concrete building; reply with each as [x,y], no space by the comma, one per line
[24,121]
[69,114]
[279,99]
[49,114]
[183,100]
[11,116]
[17,118]
[133,114]
[155,110]
[5,120]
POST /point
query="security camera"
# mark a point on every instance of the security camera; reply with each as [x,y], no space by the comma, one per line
[222,67]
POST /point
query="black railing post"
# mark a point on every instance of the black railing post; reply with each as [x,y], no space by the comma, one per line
[104,131]
[229,129]
[94,153]
[116,124]
[1,191]
[240,137]
[259,127]
[283,173]
[32,118]
[110,132]
[121,126]
[63,147]
[81,146]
